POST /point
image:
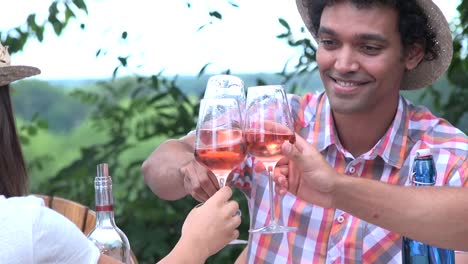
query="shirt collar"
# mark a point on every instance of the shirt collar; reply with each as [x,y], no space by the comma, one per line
[391,147]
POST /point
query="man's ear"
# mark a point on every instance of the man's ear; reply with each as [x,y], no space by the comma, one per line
[414,55]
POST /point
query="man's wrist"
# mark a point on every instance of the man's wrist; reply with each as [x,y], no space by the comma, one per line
[339,189]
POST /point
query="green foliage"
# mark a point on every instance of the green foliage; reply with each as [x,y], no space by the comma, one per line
[60,14]
[456,108]
[129,113]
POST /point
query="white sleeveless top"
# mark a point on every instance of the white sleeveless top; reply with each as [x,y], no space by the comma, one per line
[33,233]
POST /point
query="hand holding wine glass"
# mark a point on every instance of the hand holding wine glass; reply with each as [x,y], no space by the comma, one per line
[219,141]
[199,182]
[268,124]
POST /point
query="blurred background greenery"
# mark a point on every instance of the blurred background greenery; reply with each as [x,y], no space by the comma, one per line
[67,128]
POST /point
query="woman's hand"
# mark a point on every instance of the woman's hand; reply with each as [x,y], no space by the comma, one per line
[211,226]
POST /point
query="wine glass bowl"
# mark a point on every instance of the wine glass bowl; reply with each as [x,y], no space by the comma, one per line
[265,144]
[268,124]
[220,150]
[226,86]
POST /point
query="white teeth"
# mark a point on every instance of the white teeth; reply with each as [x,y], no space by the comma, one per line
[346,84]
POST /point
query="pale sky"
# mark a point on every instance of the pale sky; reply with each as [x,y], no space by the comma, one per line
[162,35]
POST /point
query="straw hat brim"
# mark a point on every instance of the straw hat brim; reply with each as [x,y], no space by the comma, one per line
[10,74]
[427,72]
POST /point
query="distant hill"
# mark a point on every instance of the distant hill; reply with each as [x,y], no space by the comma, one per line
[51,99]
[194,85]
[51,102]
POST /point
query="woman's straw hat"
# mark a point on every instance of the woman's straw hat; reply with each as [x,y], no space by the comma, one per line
[9,73]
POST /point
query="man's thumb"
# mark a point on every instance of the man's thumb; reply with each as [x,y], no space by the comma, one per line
[295,151]
[290,151]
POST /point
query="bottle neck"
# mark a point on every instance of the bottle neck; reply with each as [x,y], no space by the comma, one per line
[104,201]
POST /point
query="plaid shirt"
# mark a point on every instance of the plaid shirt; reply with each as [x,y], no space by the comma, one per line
[332,235]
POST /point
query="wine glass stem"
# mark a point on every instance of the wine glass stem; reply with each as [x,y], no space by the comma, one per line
[222,180]
[221,183]
[270,168]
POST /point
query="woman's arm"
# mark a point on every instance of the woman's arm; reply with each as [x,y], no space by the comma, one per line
[206,230]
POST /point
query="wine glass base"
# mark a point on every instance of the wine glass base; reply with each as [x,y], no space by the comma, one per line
[273,229]
[238,242]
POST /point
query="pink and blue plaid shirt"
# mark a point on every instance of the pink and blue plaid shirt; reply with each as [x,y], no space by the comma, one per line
[332,235]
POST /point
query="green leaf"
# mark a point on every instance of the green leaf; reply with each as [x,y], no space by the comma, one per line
[42,124]
[284,35]
[32,130]
[31,20]
[58,27]
[216,14]
[233,4]
[114,73]
[202,70]
[68,13]
[201,27]
[40,33]
[123,60]
[53,10]
[81,5]
[24,140]
[284,23]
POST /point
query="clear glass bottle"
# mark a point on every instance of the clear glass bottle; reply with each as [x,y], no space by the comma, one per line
[106,235]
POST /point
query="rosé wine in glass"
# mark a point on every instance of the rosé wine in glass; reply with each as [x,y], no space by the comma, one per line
[268,124]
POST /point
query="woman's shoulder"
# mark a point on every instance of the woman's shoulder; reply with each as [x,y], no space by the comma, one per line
[18,216]
[18,203]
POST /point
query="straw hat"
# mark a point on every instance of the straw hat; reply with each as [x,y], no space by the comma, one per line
[9,73]
[427,72]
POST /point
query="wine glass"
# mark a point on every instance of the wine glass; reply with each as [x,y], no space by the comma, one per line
[219,140]
[227,86]
[268,124]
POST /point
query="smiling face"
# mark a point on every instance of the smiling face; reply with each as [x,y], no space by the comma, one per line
[361,58]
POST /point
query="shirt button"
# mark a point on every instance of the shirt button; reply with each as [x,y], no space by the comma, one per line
[340,219]
[352,170]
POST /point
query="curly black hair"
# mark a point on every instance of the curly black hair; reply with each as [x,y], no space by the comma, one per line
[413,23]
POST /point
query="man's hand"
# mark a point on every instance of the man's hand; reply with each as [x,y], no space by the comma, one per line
[199,182]
[305,173]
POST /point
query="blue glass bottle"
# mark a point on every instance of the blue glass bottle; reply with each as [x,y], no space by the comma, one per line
[423,173]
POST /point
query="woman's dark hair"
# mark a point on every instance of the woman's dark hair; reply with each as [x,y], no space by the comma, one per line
[412,24]
[13,173]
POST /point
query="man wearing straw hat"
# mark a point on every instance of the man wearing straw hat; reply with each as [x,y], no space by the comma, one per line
[367,52]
